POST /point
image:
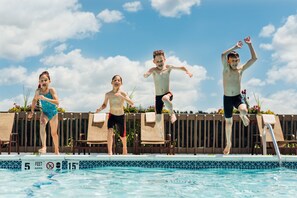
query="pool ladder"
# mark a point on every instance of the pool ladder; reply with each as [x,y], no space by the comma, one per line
[268,120]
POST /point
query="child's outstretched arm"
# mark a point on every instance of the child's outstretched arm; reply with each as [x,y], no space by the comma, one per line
[103,106]
[149,72]
[238,45]
[183,68]
[253,59]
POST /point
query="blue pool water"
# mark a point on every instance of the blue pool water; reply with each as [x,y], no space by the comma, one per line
[149,182]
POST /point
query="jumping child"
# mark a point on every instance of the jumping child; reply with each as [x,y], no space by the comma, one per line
[161,74]
[116,98]
[49,101]
[232,74]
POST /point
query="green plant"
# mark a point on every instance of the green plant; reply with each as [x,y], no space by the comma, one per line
[61,110]
[25,107]
[290,145]
[150,109]
[26,95]
[256,109]
[268,112]
[257,146]
[128,108]
[17,108]
[69,142]
[174,143]
[130,137]
[259,103]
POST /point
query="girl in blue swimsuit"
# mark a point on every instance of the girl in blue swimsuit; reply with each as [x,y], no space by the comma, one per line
[49,102]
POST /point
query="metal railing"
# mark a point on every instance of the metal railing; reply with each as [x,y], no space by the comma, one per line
[276,148]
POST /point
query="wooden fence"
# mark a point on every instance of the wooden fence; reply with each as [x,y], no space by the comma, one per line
[192,133]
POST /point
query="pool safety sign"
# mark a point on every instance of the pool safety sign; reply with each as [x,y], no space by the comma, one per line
[55,165]
[41,165]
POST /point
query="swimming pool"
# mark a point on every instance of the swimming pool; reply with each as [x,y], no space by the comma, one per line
[101,175]
[149,182]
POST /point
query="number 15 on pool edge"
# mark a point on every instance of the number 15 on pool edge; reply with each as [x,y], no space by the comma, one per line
[73,165]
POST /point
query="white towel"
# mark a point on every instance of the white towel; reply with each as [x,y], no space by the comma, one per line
[268,118]
[150,117]
[99,117]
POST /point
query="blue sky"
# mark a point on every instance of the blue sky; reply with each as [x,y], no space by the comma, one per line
[83,43]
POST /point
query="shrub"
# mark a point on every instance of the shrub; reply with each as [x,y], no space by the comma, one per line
[17,108]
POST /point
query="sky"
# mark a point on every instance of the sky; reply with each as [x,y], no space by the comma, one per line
[84,43]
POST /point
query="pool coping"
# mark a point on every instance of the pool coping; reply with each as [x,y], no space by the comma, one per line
[26,161]
[155,157]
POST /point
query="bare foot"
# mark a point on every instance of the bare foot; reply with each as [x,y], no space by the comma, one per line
[57,153]
[173,118]
[245,120]
[227,150]
[109,153]
[42,150]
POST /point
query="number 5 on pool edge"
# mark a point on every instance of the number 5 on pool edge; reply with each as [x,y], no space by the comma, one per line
[27,166]
[73,165]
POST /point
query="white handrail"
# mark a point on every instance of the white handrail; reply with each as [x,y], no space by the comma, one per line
[268,126]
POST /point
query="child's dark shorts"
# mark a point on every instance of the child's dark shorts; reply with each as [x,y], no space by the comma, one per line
[230,102]
[159,102]
[119,121]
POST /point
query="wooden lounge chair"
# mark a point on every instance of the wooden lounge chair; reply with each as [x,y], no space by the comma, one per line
[7,138]
[152,133]
[278,133]
[96,134]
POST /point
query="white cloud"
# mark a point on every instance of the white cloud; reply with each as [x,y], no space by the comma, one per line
[267,31]
[6,104]
[82,82]
[214,94]
[61,48]
[281,102]
[266,46]
[174,8]
[287,73]
[28,26]
[220,82]
[284,43]
[255,82]
[110,16]
[134,6]
[12,75]
[211,110]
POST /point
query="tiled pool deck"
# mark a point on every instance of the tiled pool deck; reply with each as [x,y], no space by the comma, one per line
[71,162]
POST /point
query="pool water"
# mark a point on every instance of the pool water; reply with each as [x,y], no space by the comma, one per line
[149,182]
